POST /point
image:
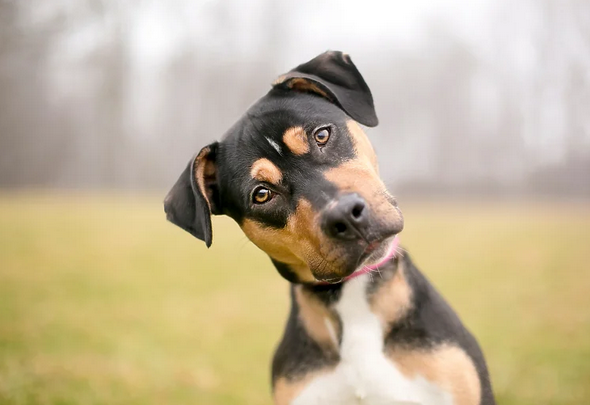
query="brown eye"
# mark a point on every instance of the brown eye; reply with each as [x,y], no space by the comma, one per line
[261,195]
[321,136]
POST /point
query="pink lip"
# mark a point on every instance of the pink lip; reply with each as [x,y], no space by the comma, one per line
[367,269]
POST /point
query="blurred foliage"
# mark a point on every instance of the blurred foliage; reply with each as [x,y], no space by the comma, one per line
[104,302]
[490,96]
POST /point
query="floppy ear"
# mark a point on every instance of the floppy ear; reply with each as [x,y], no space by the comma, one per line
[194,197]
[332,75]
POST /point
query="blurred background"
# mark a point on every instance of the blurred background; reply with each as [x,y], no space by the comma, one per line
[484,137]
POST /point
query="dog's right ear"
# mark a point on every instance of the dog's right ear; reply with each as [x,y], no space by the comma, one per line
[333,76]
[195,196]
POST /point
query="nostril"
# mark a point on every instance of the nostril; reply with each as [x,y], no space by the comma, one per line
[340,227]
[347,218]
[357,210]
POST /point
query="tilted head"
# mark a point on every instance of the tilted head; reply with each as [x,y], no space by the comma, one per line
[299,176]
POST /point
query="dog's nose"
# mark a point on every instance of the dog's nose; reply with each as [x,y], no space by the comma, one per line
[347,219]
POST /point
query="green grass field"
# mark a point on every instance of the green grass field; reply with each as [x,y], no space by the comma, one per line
[104,302]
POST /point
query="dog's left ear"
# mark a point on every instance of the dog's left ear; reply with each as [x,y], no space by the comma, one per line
[195,196]
[333,76]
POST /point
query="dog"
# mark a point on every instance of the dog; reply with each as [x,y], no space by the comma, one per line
[300,177]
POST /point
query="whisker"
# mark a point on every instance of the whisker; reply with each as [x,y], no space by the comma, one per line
[242,243]
[379,271]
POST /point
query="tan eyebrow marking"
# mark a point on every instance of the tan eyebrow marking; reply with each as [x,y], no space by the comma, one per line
[264,170]
[296,140]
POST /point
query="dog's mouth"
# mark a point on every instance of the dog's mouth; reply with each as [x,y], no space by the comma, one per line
[371,247]
[374,257]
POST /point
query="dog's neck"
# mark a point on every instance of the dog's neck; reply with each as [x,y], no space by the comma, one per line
[329,294]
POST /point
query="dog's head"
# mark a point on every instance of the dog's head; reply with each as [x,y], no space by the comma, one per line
[299,176]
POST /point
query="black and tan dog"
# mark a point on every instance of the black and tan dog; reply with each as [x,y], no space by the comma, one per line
[300,177]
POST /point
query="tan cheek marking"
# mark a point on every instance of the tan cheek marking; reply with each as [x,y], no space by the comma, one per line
[285,391]
[300,244]
[392,301]
[362,145]
[358,176]
[319,322]
[291,245]
[276,243]
[264,170]
[447,366]
[296,140]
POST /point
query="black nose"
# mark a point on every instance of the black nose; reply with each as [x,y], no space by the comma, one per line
[347,219]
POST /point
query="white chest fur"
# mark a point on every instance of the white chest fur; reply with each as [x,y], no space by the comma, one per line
[364,375]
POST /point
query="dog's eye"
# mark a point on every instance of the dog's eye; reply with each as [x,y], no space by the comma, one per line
[261,195]
[322,135]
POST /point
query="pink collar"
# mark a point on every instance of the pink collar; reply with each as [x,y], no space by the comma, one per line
[367,269]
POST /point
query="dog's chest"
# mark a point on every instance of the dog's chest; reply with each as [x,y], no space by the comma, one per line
[365,376]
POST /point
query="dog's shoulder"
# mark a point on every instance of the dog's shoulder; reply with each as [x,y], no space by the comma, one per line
[433,336]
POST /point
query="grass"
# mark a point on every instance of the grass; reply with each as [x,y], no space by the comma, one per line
[103,302]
